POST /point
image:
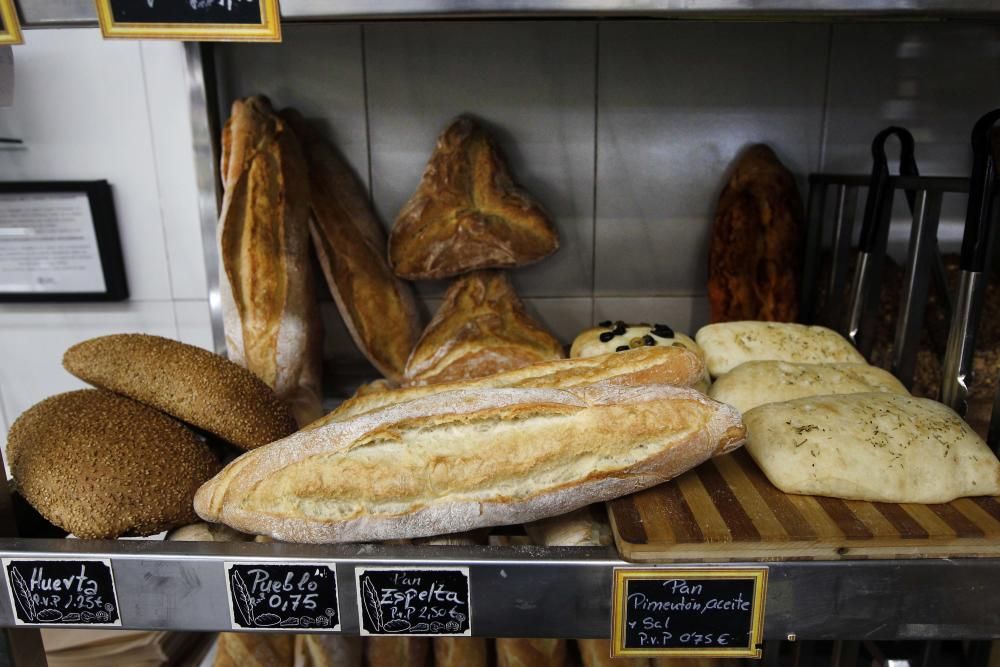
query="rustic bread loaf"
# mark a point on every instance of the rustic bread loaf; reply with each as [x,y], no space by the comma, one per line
[467,213]
[265,279]
[465,459]
[758,382]
[378,309]
[186,382]
[397,651]
[481,328]
[254,650]
[730,344]
[754,252]
[100,465]
[619,337]
[645,365]
[530,652]
[878,447]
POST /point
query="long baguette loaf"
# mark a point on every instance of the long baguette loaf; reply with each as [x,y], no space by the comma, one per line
[466,459]
[643,365]
[265,283]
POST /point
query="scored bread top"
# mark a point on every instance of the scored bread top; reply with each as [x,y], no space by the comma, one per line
[470,458]
[645,365]
[185,381]
[100,465]
[729,344]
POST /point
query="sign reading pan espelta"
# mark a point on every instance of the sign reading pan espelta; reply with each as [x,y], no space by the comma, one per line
[281,595]
[414,601]
[62,592]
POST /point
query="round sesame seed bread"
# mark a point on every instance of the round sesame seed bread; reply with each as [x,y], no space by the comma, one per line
[186,382]
[101,465]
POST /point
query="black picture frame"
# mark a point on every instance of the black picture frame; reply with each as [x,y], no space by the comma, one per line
[109,249]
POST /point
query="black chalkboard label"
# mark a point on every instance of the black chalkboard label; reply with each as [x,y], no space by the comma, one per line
[691,612]
[414,601]
[62,592]
[191,19]
[283,596]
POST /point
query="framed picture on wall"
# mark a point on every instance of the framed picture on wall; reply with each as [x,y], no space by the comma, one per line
[206,20]
[59,242]
[10,26]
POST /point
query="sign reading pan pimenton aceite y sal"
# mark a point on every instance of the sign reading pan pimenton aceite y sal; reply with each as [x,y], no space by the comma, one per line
[429,601]
[717,612]
[283,596]
[77,592]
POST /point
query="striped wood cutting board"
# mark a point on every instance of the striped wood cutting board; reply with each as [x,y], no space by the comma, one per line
[725,509]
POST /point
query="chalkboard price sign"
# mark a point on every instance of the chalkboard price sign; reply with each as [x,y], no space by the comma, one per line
[282,596]
[414,601]
[62,592]
[688,612]
[214,20]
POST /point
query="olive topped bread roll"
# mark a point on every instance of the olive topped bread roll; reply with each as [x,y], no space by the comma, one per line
[618,336]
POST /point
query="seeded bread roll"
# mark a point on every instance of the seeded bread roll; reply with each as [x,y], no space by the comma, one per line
[729,344]
[618,336]
[876,447]
[185,381]
[101,465]
[481,328]
[758,382]
[467,213]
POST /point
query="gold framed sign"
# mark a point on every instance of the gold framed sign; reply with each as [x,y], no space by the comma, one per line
[191,20]
[688,612]
[10,30]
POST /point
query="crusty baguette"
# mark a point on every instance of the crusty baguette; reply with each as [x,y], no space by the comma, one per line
[482,328]
[378,309]
[266,287]
[466,459]
[467,213]
[644,365]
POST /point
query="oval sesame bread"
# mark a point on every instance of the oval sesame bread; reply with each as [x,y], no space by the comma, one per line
[465,459]
[644,365]
[101,465]
[185,381]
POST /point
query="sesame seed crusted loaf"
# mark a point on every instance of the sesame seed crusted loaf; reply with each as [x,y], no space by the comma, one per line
[465,459]
[645,365]
[101,465]
[185,381]
[729,344]
[876,447]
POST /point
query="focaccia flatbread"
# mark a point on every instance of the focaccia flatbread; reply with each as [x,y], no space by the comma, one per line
[729,344]
[876,446]
[759,382]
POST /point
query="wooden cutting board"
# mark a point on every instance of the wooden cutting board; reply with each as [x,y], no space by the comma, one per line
[725,509]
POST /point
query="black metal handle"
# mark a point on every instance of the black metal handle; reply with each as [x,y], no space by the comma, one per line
[879,201]
[982,186]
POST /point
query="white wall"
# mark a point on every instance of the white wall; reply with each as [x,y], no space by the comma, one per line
[92,109]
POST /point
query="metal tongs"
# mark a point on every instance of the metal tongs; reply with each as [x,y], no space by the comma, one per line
[875,235]
[976,252]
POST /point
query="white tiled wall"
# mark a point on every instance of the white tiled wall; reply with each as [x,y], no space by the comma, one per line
[87,109]
[624,129]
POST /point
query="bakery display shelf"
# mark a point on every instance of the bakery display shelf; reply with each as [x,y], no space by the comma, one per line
[549,592]
[80,13]
[726,509]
